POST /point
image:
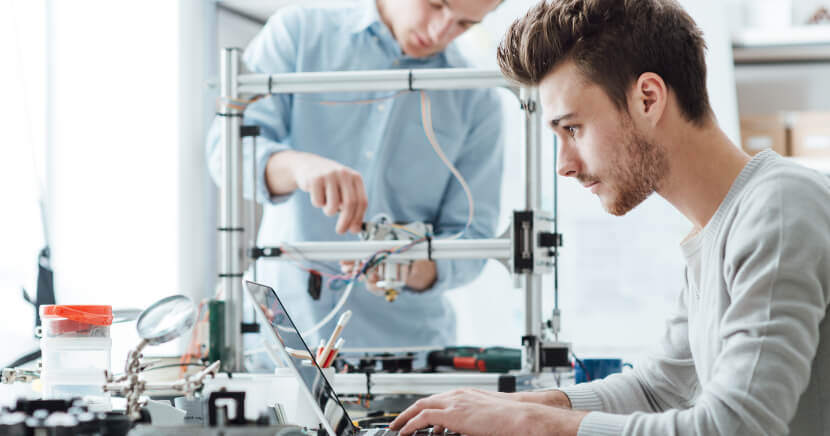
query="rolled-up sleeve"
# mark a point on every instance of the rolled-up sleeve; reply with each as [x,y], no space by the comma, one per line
[273,50]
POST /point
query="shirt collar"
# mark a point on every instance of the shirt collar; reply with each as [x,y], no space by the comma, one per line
[368,15]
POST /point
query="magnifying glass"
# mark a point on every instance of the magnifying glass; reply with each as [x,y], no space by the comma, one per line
[166,319]
[163,321]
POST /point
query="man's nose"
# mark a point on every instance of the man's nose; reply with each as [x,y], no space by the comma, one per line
[568,161]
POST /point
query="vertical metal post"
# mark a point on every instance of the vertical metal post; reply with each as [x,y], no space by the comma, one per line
[231,230]
[533,201]
[253,215]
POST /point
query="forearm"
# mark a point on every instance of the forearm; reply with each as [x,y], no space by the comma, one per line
[279,176]
[544,421]
[553,398]
[422,275]
[266,148]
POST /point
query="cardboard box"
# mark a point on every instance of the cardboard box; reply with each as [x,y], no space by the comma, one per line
[759,132]
[810,134]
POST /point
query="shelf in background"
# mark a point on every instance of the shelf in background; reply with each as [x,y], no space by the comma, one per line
[793,44]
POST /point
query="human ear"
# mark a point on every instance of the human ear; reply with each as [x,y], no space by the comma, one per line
[649,98]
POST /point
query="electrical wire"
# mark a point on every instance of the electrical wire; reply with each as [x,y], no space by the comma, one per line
[24,359]
[362,101]
[372,261]
[236,103]
[378,257]
[426,118]
[404,229]
[294,250]
[299,265]
[581,365]
[328,317]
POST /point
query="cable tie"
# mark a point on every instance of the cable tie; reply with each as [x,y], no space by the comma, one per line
[429,247]
[410,81]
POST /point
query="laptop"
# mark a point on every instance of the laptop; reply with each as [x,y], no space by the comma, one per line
[283,333]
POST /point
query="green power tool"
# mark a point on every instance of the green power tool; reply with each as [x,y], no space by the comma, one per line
[489,359]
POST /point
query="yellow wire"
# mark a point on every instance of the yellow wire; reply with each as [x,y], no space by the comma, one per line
[400,227]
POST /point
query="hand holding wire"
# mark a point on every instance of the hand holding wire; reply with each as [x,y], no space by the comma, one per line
[353,220]
[370,277]
[419,275]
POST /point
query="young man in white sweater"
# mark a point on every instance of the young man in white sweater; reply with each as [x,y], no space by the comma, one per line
[747,351]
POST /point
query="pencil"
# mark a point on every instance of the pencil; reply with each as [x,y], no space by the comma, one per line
[330,359]
[300,354]
[334,335]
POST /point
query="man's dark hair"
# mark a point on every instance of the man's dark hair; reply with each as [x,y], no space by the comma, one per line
[612,43]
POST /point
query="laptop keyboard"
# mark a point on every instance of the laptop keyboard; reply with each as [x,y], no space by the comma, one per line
[423,432]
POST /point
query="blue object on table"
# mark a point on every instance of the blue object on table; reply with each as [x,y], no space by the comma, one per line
[596,369]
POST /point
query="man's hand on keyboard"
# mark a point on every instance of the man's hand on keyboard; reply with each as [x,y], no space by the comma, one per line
[477,413]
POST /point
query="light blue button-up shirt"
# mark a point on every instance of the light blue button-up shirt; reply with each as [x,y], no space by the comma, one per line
[385,142]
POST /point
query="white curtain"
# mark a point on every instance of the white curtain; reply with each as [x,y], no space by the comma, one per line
[21,163]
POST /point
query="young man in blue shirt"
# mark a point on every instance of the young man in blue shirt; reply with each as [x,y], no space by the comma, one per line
[325,168]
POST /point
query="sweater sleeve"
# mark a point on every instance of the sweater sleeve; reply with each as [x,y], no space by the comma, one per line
[777,273]
[665,380]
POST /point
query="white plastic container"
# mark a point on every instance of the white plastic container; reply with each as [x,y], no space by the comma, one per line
[76,345]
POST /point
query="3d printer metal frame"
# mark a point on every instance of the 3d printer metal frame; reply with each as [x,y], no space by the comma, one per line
[516,251]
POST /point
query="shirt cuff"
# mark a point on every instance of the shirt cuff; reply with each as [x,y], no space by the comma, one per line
[583,397]
[602,424]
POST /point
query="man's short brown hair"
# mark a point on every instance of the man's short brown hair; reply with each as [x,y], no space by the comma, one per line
[612,43]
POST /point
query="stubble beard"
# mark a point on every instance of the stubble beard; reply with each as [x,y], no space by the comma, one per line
[637,173]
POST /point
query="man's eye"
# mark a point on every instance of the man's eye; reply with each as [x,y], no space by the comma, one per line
[436,6]
[571,130]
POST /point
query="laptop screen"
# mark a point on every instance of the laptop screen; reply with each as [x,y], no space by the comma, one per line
[283,333]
